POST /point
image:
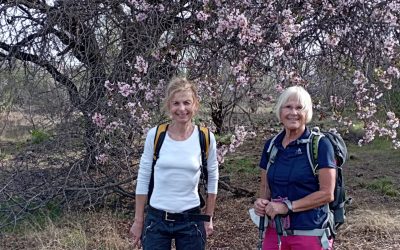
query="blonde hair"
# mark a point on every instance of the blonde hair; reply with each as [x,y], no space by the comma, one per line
[298,93]
[178,84]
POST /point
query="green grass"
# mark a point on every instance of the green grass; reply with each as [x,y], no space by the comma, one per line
[385,186]
[39,136]
[241,165]
[38,219]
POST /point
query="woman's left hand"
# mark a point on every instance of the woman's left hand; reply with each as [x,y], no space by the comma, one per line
[208,226]
[274,208]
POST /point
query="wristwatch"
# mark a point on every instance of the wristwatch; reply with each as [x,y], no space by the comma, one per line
[288,203]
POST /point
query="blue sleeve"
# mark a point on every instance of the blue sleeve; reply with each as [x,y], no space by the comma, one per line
[326,155]
[264,155]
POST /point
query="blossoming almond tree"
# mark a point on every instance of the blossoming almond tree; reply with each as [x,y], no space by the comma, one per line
[114,58]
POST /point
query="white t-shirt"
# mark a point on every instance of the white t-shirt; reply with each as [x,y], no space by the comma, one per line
[177,172]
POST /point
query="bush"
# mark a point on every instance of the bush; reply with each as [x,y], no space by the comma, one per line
[39,136]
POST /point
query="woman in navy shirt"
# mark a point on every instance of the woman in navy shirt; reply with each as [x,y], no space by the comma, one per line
[289,189]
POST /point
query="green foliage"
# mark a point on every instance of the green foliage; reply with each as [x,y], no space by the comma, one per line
[385,186]
[241,165]
[392,98]
[223,139]
[37,219]
[39,136]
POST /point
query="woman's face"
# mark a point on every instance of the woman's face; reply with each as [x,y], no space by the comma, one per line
[182,106]
[292,115]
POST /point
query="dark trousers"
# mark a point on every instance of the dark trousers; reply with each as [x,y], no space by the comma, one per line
[158,232]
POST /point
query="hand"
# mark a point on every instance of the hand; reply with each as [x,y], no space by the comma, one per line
[209,227]
[274,208]
[136,233]
[259,206]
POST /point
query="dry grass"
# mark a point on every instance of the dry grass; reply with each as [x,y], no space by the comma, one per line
[73,231]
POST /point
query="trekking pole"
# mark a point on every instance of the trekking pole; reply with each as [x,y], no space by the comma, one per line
[279,230]
[260,232]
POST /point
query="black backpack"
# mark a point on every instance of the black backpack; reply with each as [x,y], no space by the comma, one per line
[338,205]
[204,140]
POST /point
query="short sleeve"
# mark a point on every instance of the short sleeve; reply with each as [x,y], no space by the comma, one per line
[326,155]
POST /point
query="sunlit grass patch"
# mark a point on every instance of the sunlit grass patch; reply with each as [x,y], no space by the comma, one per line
[385,186]
[241,165]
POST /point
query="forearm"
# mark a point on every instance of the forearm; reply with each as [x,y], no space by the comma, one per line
[264,192]
[311,201]
[324,195]
[140,203]
[210,206]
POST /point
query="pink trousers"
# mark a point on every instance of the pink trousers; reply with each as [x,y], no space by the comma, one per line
[294,242]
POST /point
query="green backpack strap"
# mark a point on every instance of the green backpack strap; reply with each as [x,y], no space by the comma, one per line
[158,141]
[312,148]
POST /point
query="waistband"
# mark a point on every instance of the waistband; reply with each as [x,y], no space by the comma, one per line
[192,214]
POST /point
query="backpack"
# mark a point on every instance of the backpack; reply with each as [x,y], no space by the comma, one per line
[204,140]
[338,205]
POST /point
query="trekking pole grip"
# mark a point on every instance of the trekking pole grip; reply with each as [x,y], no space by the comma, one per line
[261,224]
[260,232]
[278,225]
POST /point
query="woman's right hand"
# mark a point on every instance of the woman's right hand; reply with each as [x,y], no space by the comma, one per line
[136,233]
[259,206]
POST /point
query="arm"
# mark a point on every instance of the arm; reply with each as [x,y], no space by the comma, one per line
[324,195]
[137,227]
[264,194]
[142,188]
[264,191]
[213,176]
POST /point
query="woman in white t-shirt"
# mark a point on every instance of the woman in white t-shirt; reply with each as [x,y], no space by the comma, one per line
[174,206]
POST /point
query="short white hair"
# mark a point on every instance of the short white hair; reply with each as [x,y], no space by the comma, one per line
[298,93]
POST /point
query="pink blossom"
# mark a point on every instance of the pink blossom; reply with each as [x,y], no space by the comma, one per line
[111,127]
[141,65]
[108,85]
[125,89]
[332,40]
[99,119]
[202,16]
[241,21]
[141,17]
[393,71]
[136,79]
[102,158]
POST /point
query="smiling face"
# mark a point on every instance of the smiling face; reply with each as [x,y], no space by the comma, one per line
[293,116]
[182,106]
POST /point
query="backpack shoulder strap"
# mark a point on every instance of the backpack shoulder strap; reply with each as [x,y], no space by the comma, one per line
[158,141]
[204,137]
[312,148]
[272,151]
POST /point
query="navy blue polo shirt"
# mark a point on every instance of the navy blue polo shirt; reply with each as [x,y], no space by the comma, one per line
[291,176]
